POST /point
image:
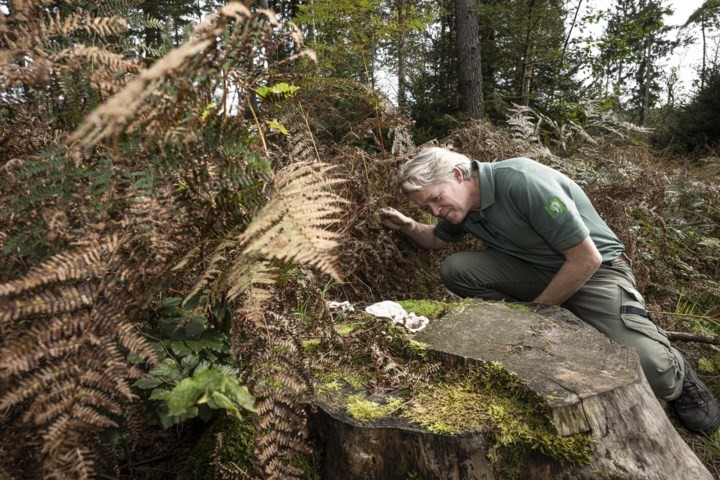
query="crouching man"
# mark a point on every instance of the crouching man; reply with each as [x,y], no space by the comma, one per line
[546,244]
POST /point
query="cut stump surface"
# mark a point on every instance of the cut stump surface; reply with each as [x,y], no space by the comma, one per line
[592,386]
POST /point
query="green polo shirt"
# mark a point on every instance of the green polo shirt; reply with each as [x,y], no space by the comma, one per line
[532,212]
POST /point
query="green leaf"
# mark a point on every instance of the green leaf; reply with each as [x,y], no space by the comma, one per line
[208,110]
[171,301]
[242,396]
[160,394]
[190,361]
[196,326]
[183,396]
[276,126]
[279,91]
[209,340]
[147,382]
[167,369]
[179,348]
[219,400]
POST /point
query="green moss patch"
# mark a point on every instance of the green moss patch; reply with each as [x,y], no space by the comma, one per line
[427,308]
[518,306]
[364,410]
[483,399]
[335,380]
[487,398]
[311,344]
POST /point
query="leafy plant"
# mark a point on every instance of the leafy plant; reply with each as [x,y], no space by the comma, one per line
[155,188]
[195,376]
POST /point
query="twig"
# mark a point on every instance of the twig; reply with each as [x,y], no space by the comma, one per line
[689,315]
[310,133]
[257,123]
[690,337]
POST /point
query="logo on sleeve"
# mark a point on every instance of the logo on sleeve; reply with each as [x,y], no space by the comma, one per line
[555,207]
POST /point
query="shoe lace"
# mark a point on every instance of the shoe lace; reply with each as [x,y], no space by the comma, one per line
[691,393]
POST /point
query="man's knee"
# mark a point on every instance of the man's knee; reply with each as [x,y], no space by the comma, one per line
[460,275]
[451,274]
[664,371]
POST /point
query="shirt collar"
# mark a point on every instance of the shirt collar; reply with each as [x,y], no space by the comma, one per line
[487,183]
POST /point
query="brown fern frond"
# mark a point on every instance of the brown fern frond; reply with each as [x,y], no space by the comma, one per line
[130,339]
[292,226]
[244,274]
[120,111]
[68,324]
[26,57]
[216,261]
[68,372]
[283,384]
[109,69]
[100,26]
[37,382]
[76,462]
[253,280]
[25,355]
[55,301]
[65,266]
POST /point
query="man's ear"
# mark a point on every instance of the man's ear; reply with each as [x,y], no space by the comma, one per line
[457,174]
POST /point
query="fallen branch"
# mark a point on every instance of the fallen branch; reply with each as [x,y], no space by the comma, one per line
[691,337]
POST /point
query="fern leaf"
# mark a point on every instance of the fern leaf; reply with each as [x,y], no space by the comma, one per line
[59,300]
[292,226]
[78,265]
[26,355]
[134,342]
[251,279]
[217,259]
[245,273]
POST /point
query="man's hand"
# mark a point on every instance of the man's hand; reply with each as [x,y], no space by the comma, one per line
[420,233]
[581,262]
[395,220]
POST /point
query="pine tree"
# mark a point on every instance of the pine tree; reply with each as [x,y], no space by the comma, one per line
[707,17]
[631,48]
[522,45]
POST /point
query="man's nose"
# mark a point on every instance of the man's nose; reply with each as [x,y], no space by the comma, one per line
[434,210]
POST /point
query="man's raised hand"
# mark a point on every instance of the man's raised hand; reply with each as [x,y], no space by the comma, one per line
[395,220]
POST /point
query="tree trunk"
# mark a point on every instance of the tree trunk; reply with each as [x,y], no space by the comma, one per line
[704,52]
[591,385]
[402,57]
[469,59]
[527,62]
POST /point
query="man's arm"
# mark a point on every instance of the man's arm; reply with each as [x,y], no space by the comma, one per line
[421,233]
[581,262]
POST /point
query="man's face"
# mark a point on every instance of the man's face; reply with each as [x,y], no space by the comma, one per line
[448,200]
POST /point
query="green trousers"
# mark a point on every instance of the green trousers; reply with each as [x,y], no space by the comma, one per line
[609,302]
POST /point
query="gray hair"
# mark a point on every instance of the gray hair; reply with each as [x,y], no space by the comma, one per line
[432,165]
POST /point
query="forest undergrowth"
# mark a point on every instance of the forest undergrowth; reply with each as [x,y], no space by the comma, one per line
[167,260]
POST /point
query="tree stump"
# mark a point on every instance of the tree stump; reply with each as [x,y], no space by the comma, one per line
[592,386]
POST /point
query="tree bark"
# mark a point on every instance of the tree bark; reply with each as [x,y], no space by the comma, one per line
[402,57]
[527,62]
[469,59]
